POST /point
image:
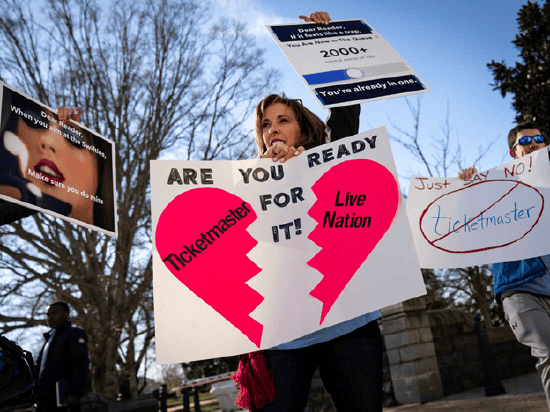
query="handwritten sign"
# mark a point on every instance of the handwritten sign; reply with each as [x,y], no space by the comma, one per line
[500,215]
[63,169]
[251,254]
[346,62]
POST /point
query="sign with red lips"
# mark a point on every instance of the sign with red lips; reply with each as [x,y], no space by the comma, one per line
[63,169]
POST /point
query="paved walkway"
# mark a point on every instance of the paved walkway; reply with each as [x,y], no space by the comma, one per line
[204,404]
[524,394]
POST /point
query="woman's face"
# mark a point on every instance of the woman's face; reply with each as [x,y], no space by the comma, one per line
[279,125]
[55,166]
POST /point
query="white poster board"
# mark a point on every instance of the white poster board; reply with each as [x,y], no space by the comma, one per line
[500,215]
[251,254]
[346,62]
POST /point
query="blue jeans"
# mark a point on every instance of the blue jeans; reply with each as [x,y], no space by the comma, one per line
[350,367]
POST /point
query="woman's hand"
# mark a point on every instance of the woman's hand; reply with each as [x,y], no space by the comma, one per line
[68,113]
[319,17]
[282,152]
[467,174]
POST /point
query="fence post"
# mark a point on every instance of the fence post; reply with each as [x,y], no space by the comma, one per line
[186,405]
[493,385]
[162,397]
[197,399]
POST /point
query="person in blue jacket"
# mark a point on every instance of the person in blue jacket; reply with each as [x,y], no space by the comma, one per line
[63,361]
[522,287]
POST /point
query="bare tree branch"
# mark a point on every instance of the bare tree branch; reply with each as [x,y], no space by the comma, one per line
[151,76]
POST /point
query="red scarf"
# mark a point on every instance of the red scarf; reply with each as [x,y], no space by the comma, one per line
[256,388]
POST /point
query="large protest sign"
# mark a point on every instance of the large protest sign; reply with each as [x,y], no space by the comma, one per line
[346,62]
[251,254]
[500,215]
[63,169]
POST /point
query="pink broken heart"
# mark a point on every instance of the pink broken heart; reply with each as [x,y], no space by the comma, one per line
[201,237]
[357,201]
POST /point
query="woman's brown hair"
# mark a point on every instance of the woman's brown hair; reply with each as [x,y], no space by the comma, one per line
[311,127]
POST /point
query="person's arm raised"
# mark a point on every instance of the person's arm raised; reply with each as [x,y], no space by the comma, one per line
[319,17]
[281,152]
[68,113]
[466,174]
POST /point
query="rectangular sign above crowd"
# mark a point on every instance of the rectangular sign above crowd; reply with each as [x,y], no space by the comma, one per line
[63,169]
[499,215]
[346,62]
[250,254]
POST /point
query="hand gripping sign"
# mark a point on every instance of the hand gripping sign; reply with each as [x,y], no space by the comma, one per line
[500,215]
[346,62]
[251,254]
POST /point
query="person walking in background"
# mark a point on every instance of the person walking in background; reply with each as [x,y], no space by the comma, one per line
[63,362]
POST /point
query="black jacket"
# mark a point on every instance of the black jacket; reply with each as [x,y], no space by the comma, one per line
[67,358]
[343,121]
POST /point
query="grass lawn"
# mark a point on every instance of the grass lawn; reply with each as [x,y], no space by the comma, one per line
[203,396]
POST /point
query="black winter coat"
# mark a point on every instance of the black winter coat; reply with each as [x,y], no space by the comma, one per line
[67,358]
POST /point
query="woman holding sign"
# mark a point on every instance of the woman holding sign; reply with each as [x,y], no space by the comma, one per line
[349,354]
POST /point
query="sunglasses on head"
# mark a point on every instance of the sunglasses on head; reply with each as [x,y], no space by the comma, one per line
[30,118]
[525,140]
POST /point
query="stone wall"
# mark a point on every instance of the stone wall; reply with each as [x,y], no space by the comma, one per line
[431,354]
[456,350]
[435,353]
[458,356]
[411,352]
[513,358]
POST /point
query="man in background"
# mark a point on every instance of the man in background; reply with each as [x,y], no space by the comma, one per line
[63,363]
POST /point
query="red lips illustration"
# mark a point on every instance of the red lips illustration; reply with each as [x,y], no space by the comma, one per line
[48,168]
